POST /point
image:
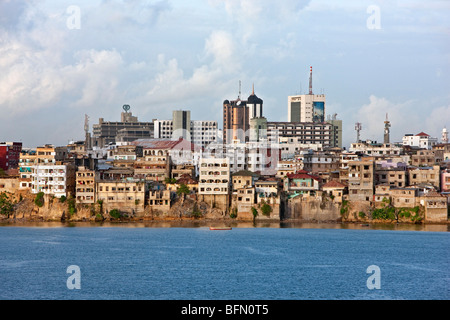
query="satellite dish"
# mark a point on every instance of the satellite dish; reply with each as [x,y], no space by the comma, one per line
[126,107]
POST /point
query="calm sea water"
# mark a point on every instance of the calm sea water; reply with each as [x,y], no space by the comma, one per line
[177,263]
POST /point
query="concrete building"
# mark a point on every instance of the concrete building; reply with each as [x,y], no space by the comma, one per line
[394,177]
[54,179]
[361,180]
[445,180]
[109,132]
[236,117]
[425,176]
[127,196]
[159,200]
[214,177]
[436,207]
[243,179]
[420,140]
[404,197]
[301,183]
[306,108]
[214,183]
[321,134]
[336,132]
[320,161]
[85,185]
[374,149]
[424,158]
[199,132]
[10,155]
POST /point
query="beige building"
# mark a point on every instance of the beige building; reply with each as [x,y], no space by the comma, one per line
[127,196]
[361,180]
[425,175]
[243,179]
[85,185]
[404,197]
[214,182]
[214,177]
[335,189]
[159,200]
[393,177]
[435,207]
[424,158]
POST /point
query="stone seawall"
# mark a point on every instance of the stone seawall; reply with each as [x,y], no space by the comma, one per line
[311,209]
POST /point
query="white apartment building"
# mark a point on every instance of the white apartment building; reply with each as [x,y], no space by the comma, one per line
[54,179]
[421,140]
[214,176]
[199,132]
[375,149]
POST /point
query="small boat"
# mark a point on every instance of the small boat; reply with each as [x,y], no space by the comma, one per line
[220,228]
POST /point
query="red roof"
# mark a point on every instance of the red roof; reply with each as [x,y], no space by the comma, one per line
[180,144]
[302,176]
[423,134]
[333,184]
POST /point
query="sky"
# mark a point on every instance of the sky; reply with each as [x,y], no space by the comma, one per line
[62,60]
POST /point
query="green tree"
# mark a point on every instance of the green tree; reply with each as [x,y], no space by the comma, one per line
[6,205]
[254,212]
[183,189]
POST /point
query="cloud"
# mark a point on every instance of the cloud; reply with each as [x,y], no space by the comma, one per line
[412,116]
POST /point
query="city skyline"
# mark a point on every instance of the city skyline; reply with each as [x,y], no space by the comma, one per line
[63,60]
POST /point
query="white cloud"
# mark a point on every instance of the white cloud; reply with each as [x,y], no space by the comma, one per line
[412,116]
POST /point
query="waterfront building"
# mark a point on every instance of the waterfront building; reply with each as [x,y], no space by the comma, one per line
[243,179]
[160,200]
[214,182]
[302,183]
[127,196]
[335,189]
[361,180]
[55,179]
[85,185]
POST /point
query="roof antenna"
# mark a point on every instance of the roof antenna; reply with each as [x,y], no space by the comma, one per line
[239,96]
[310,80]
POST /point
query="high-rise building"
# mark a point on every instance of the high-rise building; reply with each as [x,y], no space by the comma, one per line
[236,117]
[200,133]
[306,107]
[181,120]
[105,132]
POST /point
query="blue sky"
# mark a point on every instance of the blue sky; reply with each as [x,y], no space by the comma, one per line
[158,56]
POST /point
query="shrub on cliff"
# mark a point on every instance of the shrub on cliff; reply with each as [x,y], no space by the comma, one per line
[6,205]
[39,200]
[266,209]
